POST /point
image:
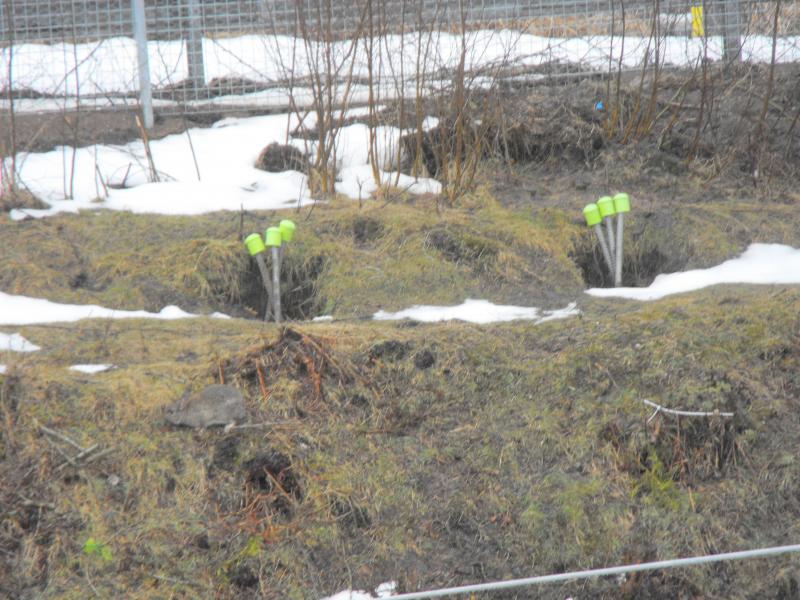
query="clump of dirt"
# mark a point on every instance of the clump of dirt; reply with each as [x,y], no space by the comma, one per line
[243,577]
[226,453]
[390,350]
[304,357]
[424,359]
[276,158]
[19,198]
[271,471]
[366,230]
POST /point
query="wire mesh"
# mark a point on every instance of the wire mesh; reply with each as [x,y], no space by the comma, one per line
[207,54]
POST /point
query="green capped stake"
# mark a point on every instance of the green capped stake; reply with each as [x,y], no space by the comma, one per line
[607,212]
[255,246]
[274,242]
[593,219]
[622,204]
[287,228]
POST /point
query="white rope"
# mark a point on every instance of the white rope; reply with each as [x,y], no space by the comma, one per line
[662,564]
[683,413]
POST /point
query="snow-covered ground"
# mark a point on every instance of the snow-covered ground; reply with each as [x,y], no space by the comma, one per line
[759,264]
[204,170]
[109,67]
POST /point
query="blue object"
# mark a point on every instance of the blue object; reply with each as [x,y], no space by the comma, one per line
[599,105]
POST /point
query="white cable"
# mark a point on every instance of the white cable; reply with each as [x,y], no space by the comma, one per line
[684,413]
[649,566]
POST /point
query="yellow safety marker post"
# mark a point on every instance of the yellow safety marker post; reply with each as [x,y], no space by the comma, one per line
[698,29]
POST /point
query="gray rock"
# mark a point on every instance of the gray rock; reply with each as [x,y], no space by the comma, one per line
[214,405]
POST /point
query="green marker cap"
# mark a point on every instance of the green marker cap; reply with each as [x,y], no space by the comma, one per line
[287,228]
[255,245]
[606,206]
[622,203]
[273,236]
[592,214]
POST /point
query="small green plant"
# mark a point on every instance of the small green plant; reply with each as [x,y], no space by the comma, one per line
[94,548]
[658,487]
[253,547]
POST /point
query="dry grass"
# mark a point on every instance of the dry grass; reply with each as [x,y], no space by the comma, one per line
[528,438]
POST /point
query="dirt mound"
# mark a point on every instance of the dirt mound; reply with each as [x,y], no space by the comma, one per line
[16,198]
[277,158]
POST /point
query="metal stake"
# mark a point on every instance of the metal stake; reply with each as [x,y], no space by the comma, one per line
[276,283]
[618,261]
[140,35]
[622,204]
[262,267]
[604,247]
[612,244]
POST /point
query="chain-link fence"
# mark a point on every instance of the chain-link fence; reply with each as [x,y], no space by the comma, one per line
[204,54]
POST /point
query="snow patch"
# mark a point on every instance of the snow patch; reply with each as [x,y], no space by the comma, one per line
[90,369]
[24,310]
[14,342]
[384,590]
[477,311]
[760,264]
[205,170]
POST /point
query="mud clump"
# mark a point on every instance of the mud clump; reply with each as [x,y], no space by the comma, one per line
[270,479]
[226,451]
[390,350]
[20,199]
[366,230]
[243,577]
[424,359]
[277,158]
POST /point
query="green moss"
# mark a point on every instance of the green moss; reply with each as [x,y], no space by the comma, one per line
[658,486]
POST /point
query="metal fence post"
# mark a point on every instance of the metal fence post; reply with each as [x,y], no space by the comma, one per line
[140,35]
[194,47]
[731,25]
